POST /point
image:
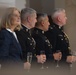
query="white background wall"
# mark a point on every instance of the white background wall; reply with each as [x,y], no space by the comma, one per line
[10,3]
[20,4]
[7,3]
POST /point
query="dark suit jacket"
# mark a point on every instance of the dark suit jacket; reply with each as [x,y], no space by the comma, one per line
[10,50]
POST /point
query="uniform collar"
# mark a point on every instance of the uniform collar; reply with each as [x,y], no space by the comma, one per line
[25,28]
[59,27]
[39,30]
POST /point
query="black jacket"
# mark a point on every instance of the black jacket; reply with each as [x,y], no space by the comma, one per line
[42,43]
[26,41]
[59,40]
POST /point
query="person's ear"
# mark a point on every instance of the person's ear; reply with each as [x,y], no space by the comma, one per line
[29,19]
[58,18]
[42,23]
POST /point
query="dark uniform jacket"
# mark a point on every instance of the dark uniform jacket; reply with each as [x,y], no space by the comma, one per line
[59,41]
[26,41]
[42,43]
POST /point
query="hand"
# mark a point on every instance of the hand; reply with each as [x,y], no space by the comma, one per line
[41,58]
[27,65]
[71,59]
[57,56]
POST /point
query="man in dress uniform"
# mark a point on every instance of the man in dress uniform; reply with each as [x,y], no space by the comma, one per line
[28,20]
[42,43]
[59,39]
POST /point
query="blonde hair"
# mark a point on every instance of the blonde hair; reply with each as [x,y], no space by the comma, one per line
[6,19]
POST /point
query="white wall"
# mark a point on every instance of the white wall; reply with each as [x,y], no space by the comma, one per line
[10,3]
[20,4]
[7,3]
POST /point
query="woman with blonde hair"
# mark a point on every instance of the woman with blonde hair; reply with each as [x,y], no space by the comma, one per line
[10,50]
